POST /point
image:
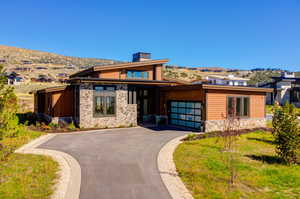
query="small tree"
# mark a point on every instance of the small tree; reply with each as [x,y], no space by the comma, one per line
[8,107]
[229,138]
[286,132]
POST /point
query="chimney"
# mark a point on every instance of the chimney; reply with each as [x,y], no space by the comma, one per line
[140,56]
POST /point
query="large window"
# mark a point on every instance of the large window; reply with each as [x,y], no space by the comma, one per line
[104,101]
[238,106]
[137,74]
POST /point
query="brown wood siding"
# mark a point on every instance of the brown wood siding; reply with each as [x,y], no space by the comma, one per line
[188,95]
[154,72]
[110,74]
[57,103]
[158,72]
[257,106]
[63,103]
[216,103]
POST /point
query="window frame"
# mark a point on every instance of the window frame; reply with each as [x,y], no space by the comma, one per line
[242,110]
[104,94]
[143,72]
[185,114]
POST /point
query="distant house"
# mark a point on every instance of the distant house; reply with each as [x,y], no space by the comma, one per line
[26,62]
[286,88]
[227,80]
[41,68]
[24,69]
[14,79]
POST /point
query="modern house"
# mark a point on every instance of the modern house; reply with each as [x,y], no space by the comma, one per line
[286,88]
[132,93]
[14,78]
[227,80]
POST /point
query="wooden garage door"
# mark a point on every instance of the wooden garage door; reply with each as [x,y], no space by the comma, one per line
[186,114]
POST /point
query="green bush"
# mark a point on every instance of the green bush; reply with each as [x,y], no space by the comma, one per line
[8,108]
[286,132]
[72,126]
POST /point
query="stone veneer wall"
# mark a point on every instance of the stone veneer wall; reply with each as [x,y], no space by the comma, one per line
[218,125]
[126,114]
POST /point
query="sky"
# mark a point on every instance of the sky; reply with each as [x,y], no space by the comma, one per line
[227,33]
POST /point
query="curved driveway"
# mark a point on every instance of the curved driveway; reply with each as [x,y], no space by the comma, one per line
[119,163]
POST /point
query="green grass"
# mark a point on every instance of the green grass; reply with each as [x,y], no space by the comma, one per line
[270,109]
[260,174]
[26,176]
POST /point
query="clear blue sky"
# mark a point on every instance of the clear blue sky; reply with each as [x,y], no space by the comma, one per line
[229,33]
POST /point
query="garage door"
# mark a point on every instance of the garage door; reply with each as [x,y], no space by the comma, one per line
[186,114]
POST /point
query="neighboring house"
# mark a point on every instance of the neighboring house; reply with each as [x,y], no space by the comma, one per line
[14,79]
[286,88]
[127,94]
[227,80]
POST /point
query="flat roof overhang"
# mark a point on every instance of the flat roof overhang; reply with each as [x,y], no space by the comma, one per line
[217,87]
[236,88]
[50,89]
[119,66]
[79,80]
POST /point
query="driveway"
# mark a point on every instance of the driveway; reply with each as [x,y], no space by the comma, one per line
[119,163]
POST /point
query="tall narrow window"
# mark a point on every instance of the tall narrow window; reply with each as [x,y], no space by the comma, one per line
[238,106]
[104,101]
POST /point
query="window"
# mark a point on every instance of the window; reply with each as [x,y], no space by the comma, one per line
[137,75]
[185,113]
[238,106]
[104,101]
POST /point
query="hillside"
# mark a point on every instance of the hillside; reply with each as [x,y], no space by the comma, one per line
[32,63]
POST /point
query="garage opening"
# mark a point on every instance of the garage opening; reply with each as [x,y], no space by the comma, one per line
[186,114]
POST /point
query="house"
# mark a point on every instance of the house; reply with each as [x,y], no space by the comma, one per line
[286,88]
[227,80]
[14,79]
[127,94]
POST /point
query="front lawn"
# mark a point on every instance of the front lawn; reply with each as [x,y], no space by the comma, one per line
[260,174]
[25,176]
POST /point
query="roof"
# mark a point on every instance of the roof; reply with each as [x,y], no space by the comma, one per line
[120,81]
[119,66]
[51,89]
[228,77]
[236,88]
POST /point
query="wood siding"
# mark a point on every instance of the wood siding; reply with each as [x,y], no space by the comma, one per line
[56,104]
[216,103]
[154,72]
[114,74]
[185,95]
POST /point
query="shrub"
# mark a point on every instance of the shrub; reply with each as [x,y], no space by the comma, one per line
[72,126]
[8,108]
[286,132]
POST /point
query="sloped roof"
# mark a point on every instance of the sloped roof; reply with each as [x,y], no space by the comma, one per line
[119,66]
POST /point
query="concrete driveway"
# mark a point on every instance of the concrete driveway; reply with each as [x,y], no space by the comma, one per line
[119,163]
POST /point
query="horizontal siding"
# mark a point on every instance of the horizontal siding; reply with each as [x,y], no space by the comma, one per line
[189,95]
[216,107]
[257,106]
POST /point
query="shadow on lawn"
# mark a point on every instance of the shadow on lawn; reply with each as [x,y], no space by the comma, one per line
[261,140]
[266,159]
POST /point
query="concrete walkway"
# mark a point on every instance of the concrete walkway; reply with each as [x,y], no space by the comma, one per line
[117,164]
